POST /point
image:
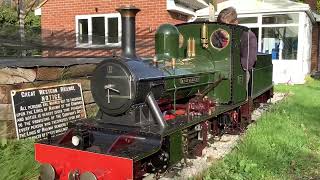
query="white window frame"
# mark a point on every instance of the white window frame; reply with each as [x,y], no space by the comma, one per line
[89,19]
[259,25]
[249,16]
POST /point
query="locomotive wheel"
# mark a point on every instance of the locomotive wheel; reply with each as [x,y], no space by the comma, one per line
[158,163]
[47,172]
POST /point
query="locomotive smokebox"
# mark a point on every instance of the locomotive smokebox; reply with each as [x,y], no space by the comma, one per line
[128,39]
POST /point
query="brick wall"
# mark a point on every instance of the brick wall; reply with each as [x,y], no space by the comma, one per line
[315,38]
[312,4]
[315,47]
[58,23]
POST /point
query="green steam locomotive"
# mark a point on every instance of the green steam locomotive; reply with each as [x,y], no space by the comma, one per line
[156,111]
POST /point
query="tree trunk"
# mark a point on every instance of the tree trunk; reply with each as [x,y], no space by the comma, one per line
[21,13]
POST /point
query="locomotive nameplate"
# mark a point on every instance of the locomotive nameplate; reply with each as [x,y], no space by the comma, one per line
[190,80]
[39,111]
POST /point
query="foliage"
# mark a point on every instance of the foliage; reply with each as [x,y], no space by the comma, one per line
[283,144]
[32,20]
[9,16]
[17,161]
[9,32]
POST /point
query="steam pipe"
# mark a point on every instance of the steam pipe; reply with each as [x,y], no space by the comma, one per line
[155,110]
[128,39]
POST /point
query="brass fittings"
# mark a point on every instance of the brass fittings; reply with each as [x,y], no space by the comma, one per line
[204,36]
[191,48]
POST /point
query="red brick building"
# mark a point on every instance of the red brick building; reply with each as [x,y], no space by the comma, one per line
[315,62]
[92,27]
[89,28]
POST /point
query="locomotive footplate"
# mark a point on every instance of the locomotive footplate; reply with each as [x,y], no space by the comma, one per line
[110,139]
[70,164]
[98,149]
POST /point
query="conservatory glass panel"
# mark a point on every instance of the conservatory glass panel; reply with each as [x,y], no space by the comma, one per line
[281,42]
[248,20]
[281,19]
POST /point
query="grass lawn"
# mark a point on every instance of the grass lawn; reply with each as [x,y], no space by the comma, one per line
[283,144]
[17,161]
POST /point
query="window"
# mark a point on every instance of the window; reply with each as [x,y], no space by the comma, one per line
[248,20]
[277,34]
[281,19]
[98,30]
[83,31]
[113,33]
[219,39]
[281,42]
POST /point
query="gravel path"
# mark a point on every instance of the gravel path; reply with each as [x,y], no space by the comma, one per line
[213,152]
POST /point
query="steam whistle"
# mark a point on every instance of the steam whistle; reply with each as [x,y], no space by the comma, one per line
[204,36]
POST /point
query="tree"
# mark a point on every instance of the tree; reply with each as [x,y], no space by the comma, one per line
[23,9]
[16,18]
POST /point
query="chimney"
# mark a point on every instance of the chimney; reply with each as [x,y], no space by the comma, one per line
[128,39]
[312,4]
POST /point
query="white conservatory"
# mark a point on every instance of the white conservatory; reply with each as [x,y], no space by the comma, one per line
[283,29]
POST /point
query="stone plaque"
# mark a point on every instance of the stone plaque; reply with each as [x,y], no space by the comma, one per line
[39,111]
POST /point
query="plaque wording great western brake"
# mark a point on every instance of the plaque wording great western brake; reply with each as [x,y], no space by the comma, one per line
[39,111]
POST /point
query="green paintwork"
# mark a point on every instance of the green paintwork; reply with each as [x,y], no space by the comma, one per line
[175,147]
[262,75]
[208,65]
[210,61]
[195,69]
[239,90]
[167,42]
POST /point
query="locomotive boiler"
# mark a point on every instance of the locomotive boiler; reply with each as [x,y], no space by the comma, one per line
[156,111]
